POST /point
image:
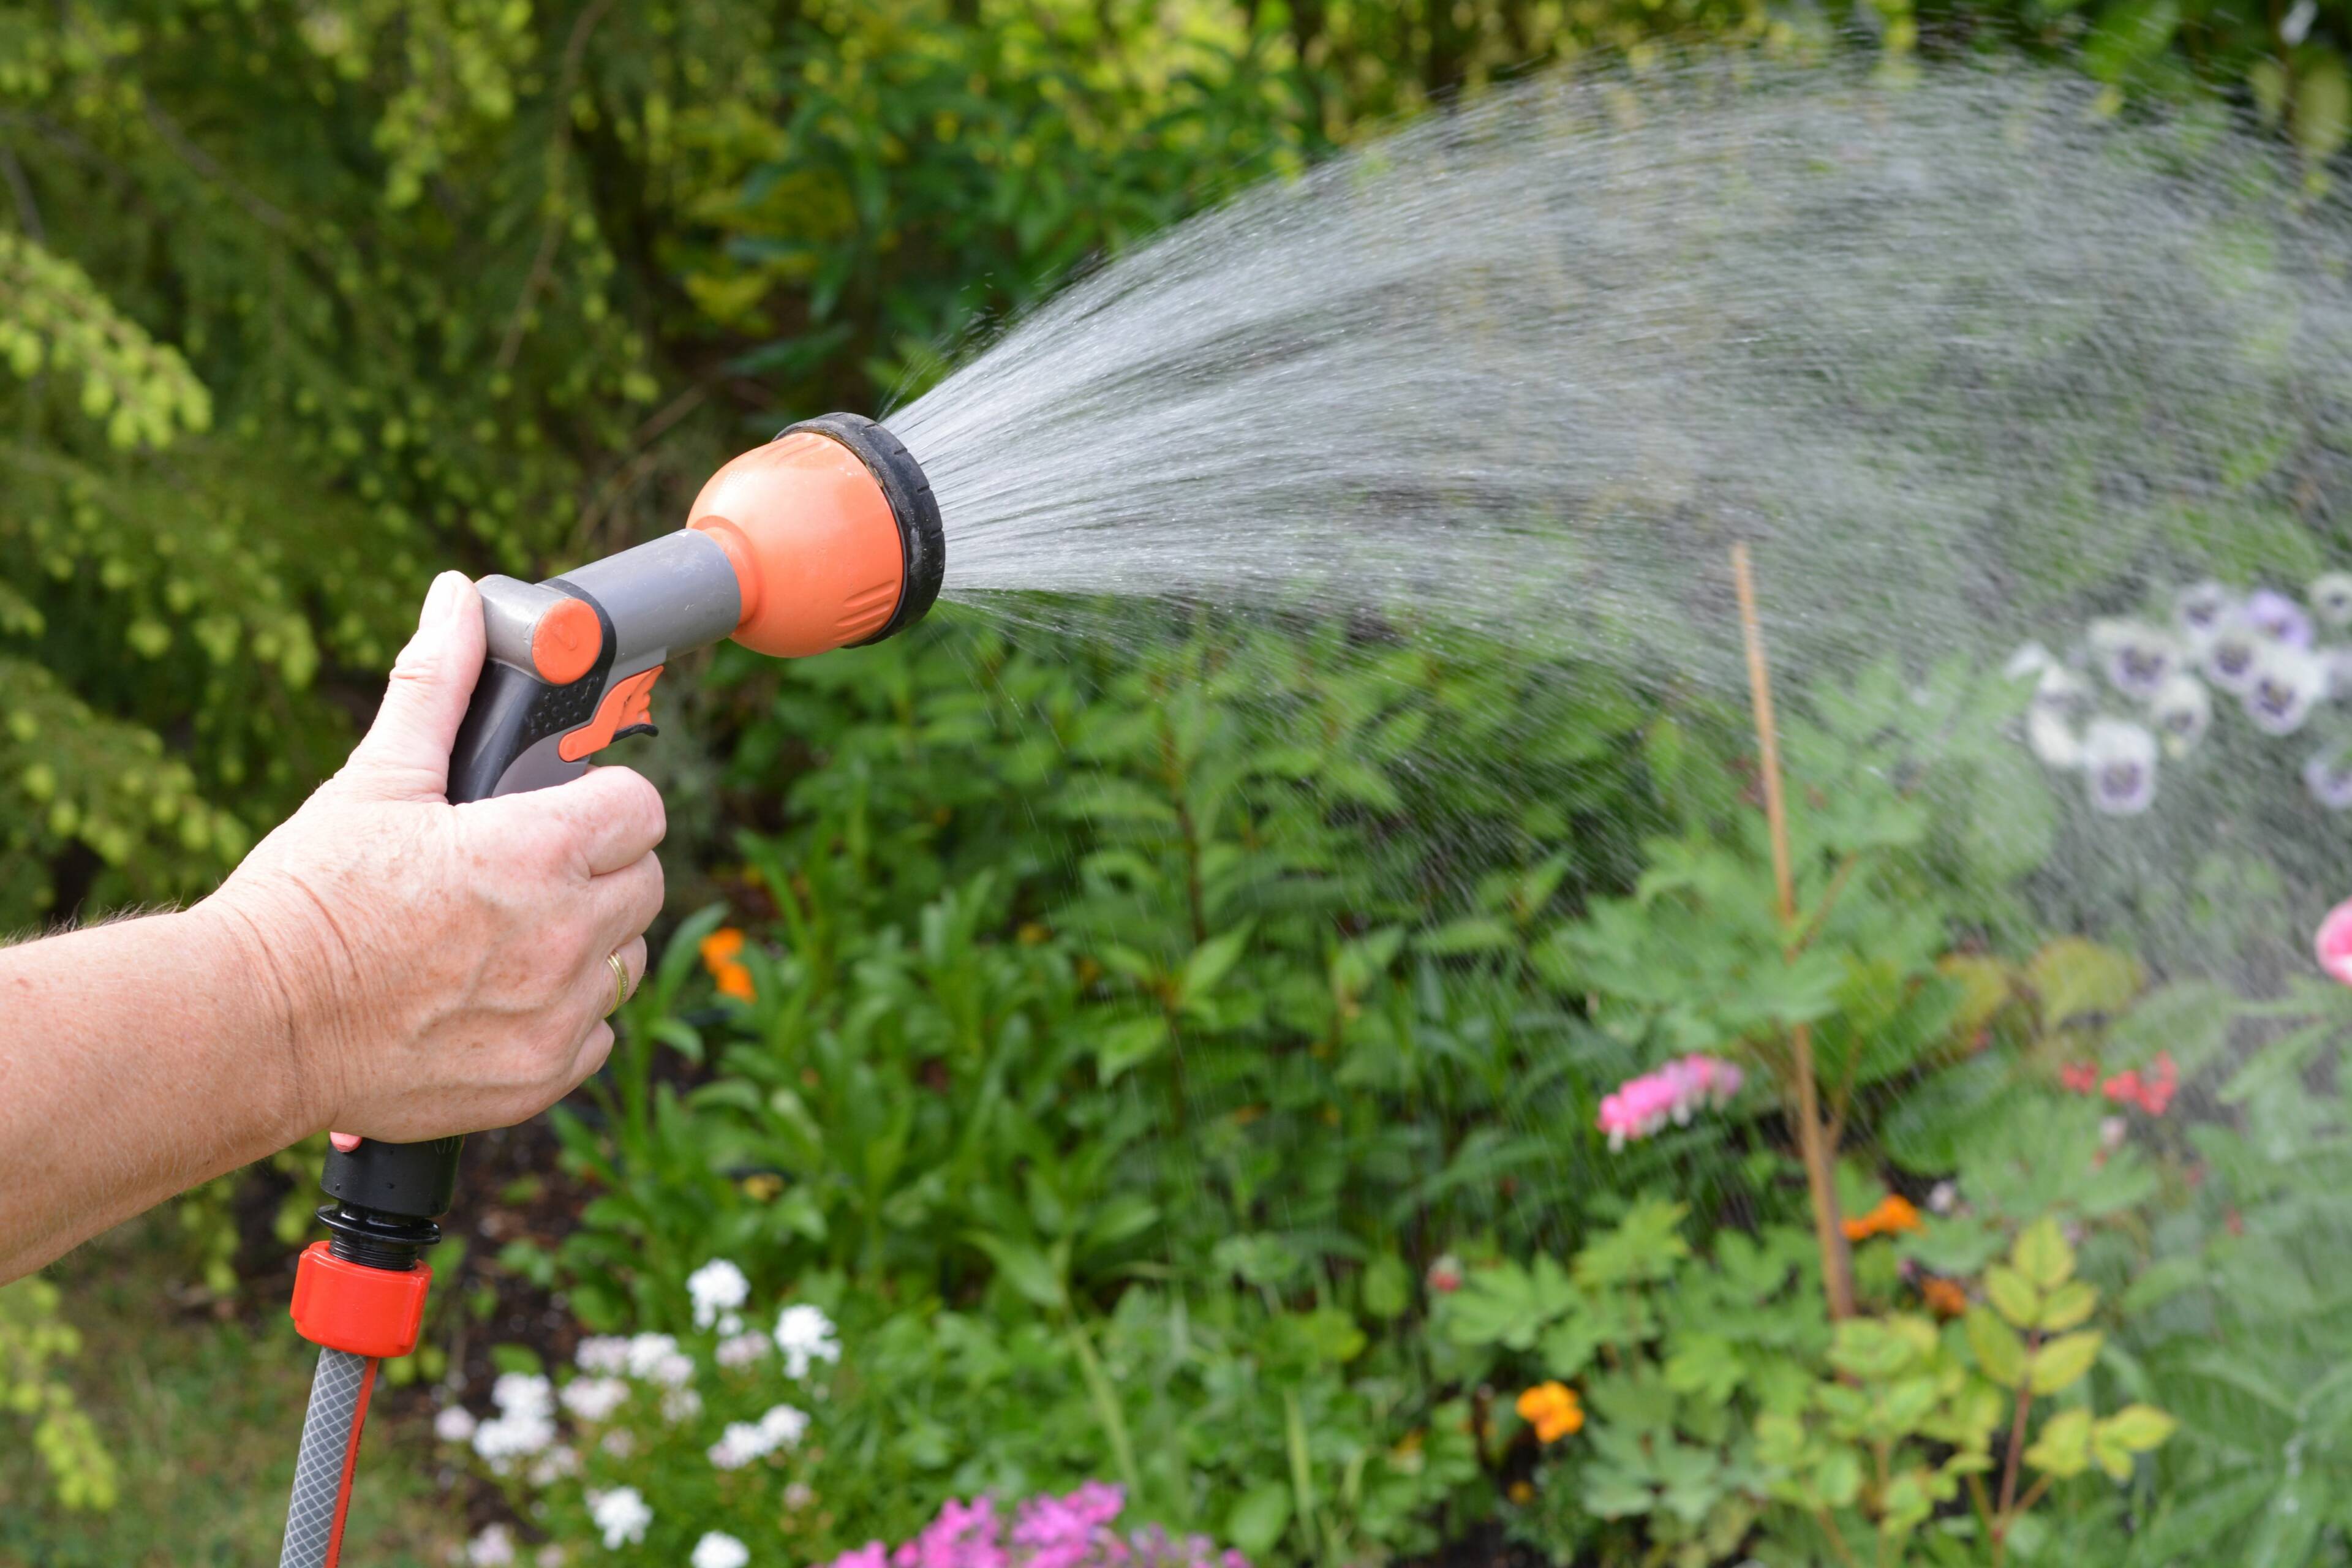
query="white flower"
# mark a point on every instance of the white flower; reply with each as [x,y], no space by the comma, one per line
[741,1350]
[2233,656]
[2120,760]
[719,1550]
[2053,739]
[2335,659]
[594,1398]
[805,1335]
[2288,682]
[557,1464]
[494,1548]
[621,1514]
[523,1393]
[1943,1198]
[781,1426]
[2181,712]
[745,1441]
[603,1353]
[2201,609]
[2063,691]
[2328,776]
[731,1324]
[2112,1130]
[2139,659]
[647,1353]
[516,1435]
[717,1287]
[737,1447]
[680,1405]
[550,1556]
[2331,598]
[2296,26]
[798,1496]
[454,1424]
[2030,660]
[620,1442]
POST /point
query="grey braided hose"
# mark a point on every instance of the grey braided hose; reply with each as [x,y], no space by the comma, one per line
[331,1440]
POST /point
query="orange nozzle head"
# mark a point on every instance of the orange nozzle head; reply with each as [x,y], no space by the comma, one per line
[833,532]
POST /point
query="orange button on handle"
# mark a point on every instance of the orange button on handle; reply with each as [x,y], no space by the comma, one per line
[565,642]
[624,707]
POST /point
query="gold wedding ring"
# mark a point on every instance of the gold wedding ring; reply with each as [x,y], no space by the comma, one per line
[620,982]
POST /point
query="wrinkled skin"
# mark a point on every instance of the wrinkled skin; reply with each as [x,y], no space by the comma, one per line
[442,968]
[384,963]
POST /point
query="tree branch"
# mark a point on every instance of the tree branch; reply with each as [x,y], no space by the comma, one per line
[28,211]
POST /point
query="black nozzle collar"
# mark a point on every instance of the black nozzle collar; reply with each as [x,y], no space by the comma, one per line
[922,542]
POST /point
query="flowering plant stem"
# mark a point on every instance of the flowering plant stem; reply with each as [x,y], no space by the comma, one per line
[1814,1147]
[1106,1403]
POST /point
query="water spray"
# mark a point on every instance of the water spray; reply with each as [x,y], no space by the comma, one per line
[827,537]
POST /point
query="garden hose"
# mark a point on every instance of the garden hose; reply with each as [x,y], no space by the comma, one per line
[827,537]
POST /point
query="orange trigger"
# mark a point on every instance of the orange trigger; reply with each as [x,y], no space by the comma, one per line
[626,706]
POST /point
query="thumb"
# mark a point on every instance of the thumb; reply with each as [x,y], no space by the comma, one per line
[405,754]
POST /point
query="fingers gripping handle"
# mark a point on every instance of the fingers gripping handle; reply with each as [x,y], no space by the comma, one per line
[571,669]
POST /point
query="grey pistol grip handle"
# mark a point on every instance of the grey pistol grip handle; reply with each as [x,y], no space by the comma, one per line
[513,731]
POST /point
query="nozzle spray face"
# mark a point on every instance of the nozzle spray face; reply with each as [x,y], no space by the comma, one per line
[834,534]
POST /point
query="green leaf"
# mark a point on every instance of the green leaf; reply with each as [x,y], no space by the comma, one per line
[2000,1353]
[1646,1245]
[1478,933]
[1209,964]
[2322,107]
[1129,1043]
[1026,1268]
[2012,1296]
[1258,1519]
[2130,33]
[1703,1364]
[2065,1361]
[1567,1347]
[2074,977]
[1868,1348]
[1387,1287]
[2064,1447]
[2139,1428]
[512,1357]
[2042,1254]
[2068,1305]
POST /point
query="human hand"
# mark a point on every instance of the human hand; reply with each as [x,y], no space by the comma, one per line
[442,969]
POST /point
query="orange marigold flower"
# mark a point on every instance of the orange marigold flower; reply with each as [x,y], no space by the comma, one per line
[1944,1299]
[1894,1213]
[735,981]
[1551,1408]
[1522,1493]
[719,948]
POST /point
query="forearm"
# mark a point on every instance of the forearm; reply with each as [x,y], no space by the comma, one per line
[137,1059]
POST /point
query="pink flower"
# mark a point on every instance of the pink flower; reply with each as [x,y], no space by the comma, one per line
[1445,1275]
[2333,942]
[1643,1106]
[1076,1530]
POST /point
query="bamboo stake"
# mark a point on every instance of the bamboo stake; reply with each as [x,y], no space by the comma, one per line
[1837,1281]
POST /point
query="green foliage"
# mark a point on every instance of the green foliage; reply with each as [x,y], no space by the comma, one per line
[33,1339]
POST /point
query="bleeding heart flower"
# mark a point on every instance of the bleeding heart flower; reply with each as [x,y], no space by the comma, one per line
[2333,942]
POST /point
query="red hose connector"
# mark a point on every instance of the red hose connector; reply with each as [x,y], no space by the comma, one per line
[353,1307]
